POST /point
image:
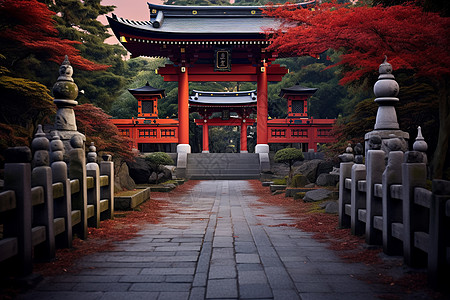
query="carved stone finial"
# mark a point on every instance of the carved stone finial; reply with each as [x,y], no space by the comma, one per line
[420,144]
[65,88]
[349,148]
[65,70]
[359,158]
[92,154]
[348,155]
[386,89]
[40,146]
[57,147]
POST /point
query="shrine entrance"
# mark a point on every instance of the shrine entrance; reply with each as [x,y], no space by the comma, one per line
[224,109]
[216,44]
[207,43]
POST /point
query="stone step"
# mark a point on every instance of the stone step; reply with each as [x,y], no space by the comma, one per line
[213,165]
[222,177]
[223,166]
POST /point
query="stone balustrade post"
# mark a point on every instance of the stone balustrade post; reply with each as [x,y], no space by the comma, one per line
[358,199]
[93,194]
[345,171]
[415,218]
[375,166]
[438,273]
[18,178]
[77,171]
[107,192]
[392,208]
[42,176]
[63,205]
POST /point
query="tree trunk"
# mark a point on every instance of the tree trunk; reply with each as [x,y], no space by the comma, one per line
[440,154]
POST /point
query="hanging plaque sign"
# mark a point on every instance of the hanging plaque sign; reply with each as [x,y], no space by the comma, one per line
[222,60]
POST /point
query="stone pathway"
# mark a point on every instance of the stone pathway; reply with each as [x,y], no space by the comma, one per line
[217,246]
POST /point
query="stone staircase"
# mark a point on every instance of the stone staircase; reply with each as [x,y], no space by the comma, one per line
[227,166]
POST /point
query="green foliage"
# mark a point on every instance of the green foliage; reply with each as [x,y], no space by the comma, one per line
[159,158]
[279,181]
[299,180]
[224,139]
[288,156]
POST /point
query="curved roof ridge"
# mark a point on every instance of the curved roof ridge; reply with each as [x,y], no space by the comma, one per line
[208,93]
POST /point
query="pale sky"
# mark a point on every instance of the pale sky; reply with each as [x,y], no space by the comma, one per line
[129,9]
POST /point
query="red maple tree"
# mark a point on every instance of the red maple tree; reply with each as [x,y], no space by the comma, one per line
[93,122]
[27,28]
[411,38]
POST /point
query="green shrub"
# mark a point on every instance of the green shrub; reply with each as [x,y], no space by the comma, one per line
[279,181]
[159,158]
[289,156]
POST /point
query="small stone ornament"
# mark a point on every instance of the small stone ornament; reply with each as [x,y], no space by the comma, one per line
[65,88]
[40,146]
[92,154]
[57,147]
[348,155]
[359,158]
[420,144]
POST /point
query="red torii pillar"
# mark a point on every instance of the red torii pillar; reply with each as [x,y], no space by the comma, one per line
[244,137]
[262,110]
[205,137]
[183,111]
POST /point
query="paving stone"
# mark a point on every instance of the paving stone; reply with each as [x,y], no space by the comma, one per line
[258,291]
[220,272]
[168,271]
[161,287]
[173,296]
[101,287]
[252,277]
[143,278]
[278,278]
[222,288]
[129,295]
[247,258]
[249,267]
[245,247]
[179,278]
[216,232]
[314,287]
[285,294]
[200,279]
[197,293]
[66,295]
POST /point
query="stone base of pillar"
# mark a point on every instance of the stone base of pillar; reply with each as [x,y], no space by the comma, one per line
[183,148]
[244,151]
[205,151]
[262,148]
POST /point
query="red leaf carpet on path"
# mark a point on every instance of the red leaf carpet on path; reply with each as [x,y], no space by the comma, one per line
[124,226]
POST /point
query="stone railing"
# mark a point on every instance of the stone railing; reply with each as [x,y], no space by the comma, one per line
[386,198]
[45,201]
[391,206]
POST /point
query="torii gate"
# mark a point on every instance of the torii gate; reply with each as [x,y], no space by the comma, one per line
[206,43]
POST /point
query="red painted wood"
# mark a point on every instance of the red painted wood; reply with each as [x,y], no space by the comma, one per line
[262,111]
[183,106]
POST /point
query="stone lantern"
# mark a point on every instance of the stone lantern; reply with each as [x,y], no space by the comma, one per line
[65,92]
[386,125]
